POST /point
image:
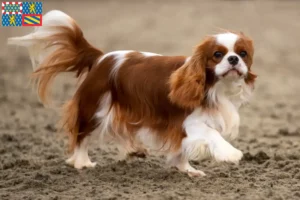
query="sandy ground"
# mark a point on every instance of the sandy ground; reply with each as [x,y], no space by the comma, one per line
[32,156]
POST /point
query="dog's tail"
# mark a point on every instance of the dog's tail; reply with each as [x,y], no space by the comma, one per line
[57,46]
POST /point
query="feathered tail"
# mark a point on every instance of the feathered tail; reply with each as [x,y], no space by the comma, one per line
[58,46]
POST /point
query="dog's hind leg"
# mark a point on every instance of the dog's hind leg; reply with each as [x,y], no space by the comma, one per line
[80,157]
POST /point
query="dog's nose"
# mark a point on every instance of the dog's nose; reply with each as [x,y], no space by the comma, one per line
[233,60]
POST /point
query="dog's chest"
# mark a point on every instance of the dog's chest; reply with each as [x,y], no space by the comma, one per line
[225,119]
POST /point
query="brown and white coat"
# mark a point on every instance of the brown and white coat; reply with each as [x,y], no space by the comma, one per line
[182,107]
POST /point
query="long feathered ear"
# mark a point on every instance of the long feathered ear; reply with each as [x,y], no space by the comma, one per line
[187,84]
[250,78]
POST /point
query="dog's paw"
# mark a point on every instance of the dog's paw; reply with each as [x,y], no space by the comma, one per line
[185,167]
[227,153]
[89,164]
[195,173]
[80,163]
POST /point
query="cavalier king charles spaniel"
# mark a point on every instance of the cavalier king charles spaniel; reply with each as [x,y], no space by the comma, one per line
[183,107]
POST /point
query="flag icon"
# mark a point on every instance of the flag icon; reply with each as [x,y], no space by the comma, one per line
[31,20]
[11,8]
[32,7]
[11,20]
[22,13]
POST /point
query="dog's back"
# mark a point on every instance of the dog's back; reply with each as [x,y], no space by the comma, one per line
[127,91]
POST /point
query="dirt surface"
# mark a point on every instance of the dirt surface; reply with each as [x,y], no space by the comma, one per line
[32,156]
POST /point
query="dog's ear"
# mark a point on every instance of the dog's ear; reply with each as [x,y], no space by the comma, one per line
[187,84]
[250,78]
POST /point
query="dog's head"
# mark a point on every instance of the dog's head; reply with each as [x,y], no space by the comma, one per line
[225,57]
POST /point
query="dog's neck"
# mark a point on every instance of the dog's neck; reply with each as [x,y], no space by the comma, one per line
[236,92]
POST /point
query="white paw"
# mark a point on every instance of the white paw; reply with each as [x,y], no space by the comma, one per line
[80,163]
[195,173]
[89,164]
[191,171]
[227,153]
[70,161]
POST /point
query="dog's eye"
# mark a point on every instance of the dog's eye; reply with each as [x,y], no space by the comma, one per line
[218,54]
[243,54]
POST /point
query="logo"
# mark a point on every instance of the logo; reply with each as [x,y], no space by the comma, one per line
[31,20]
[22,13]
[32,8]
[11,20]
[11,8]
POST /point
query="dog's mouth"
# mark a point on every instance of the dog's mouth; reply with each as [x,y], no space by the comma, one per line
[232,72]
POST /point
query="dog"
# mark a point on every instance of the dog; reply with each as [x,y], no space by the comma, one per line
[183,107]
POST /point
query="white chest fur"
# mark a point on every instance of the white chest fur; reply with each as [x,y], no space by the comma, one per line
[225,119]
[225,98]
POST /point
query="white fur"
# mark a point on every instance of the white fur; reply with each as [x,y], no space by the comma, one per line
[146,136]
[119,57]
[80,158]
[104,106]
[228,40]
[207,130]
[149,54]
[105,116]
[37,40]
[187,59]
[202,137]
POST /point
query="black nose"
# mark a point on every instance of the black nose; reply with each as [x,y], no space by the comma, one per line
[233,60]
